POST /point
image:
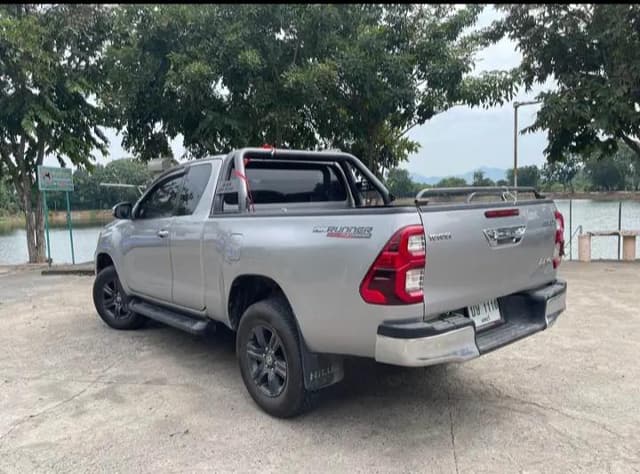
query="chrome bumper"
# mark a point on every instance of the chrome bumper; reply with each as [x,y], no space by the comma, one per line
[454,338]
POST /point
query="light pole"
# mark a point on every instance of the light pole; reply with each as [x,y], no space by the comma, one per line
[517,104]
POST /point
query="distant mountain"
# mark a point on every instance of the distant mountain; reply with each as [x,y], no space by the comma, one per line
[492,173]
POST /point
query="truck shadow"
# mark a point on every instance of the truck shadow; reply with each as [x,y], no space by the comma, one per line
[379,387]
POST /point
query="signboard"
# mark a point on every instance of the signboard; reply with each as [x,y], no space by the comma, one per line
[54,179]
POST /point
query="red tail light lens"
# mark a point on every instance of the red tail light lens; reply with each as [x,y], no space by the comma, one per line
[397,275]
[558,250]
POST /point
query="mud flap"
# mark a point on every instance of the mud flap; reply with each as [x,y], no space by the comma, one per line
[320,370]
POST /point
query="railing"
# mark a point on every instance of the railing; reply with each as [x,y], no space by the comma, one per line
[579,228]
[592,229]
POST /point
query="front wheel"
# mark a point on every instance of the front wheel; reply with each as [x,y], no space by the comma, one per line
[110,301]
[270,359]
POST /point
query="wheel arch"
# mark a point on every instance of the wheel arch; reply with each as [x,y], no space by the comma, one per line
[248,289]
[103,260]
[319,370]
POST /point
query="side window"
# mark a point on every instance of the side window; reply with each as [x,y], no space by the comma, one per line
[193,188]
[162,200]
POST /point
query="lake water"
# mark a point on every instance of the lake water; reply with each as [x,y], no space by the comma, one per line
[13,244]
[592,215]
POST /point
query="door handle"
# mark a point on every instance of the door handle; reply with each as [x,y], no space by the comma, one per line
[163,233]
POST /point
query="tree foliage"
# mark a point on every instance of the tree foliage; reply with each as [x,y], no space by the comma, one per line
[8,197]
[592,51]
[88,194]
[479,179]
[613,172]
[49,69]
[563,171]
[451,182]
[354,77]
[527,176]
[400,184]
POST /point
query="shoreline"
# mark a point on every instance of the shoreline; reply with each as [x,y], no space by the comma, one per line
[596,195]
[602,196]
[59,218]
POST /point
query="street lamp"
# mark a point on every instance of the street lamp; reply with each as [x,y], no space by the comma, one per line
[517,104]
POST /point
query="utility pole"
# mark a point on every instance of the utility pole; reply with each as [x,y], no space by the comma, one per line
[517,104]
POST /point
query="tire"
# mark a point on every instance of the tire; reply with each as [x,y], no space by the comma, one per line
[271,364]
[107,296]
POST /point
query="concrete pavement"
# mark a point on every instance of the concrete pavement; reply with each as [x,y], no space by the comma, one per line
[76,396]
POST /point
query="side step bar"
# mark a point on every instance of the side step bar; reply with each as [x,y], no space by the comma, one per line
[171,318]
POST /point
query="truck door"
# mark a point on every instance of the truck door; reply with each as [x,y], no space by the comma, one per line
[146,249]
[187,260]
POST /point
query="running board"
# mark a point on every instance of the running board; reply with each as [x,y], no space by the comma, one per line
[172,318]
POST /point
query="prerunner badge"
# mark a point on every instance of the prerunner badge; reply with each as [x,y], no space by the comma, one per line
[344,231]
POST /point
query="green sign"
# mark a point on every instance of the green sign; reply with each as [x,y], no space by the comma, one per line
[54,179]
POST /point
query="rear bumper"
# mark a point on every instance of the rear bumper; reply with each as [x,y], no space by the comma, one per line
[454,338]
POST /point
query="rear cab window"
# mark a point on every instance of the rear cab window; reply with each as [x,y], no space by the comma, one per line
[282,183]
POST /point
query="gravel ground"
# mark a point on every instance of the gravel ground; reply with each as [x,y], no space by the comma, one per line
[76,396]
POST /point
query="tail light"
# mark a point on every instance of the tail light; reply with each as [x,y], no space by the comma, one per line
[397,274]
[558,249]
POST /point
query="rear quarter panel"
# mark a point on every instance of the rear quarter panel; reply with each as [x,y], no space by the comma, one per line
[320,275]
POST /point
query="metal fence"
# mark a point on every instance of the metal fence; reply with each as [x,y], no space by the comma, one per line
[583,215]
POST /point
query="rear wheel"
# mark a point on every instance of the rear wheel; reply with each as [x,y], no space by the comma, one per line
[110,301]
[270,359]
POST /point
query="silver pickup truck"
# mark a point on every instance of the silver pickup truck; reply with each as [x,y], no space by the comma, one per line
[303,255]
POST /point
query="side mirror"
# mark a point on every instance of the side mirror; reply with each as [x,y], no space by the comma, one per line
[122,210]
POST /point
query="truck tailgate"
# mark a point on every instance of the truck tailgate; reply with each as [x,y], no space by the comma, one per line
[480,251]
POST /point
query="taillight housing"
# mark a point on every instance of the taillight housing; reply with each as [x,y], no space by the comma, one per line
[558,249]
[396,276]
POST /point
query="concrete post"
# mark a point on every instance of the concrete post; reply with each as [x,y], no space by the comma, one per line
[584,247]
[628,247]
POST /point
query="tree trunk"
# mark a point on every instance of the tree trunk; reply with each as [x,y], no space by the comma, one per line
[29,222]
[40,238]
[33,222]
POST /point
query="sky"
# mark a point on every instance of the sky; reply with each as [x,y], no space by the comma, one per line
[463,139]
[456,141]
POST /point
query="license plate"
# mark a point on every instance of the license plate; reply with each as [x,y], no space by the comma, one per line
[485,314]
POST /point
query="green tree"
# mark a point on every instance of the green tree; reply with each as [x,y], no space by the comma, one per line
[399,183]
[630,162]
[48,71]
[527,175]
[592,52]
[563,171]
[89,194]
[605,174]
[620,171]
[8,198]
[354,77]
[123,171]
[451,182]
[479,179]
[502,182]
